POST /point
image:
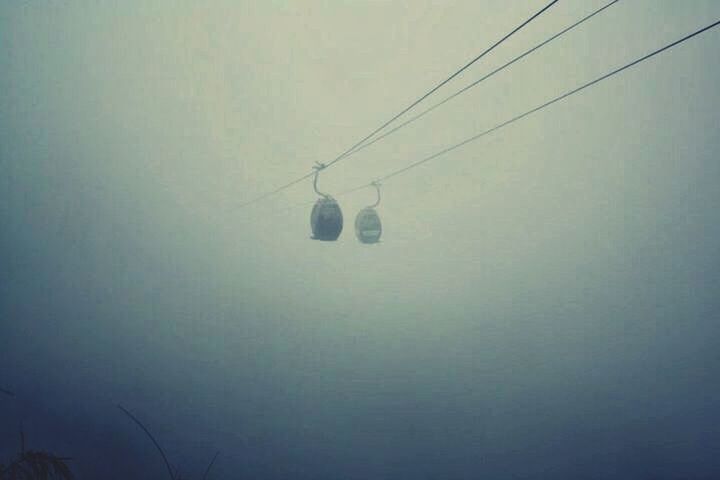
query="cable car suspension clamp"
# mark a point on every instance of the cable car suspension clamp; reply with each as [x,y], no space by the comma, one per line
[376,184]
[319,166]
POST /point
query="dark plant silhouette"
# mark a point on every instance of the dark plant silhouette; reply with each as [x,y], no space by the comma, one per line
[147,432]
[35,465]
[173,476]
[207,470]
[41,465]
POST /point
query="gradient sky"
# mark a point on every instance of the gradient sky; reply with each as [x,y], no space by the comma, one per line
[543,304]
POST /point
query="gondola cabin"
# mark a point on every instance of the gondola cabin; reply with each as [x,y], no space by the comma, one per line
[367,226]
[326,220]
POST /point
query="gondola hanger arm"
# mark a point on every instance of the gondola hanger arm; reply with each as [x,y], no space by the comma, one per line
[376,184]
[319,166]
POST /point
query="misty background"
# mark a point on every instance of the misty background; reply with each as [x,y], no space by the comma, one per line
[543,304]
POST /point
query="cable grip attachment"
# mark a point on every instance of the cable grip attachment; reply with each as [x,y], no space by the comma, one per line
[376,184]
[319,166]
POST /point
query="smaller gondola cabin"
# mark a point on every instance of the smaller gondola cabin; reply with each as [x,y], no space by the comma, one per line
[367,226]
[326,220]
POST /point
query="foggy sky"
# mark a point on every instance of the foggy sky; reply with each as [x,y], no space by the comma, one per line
[543,303]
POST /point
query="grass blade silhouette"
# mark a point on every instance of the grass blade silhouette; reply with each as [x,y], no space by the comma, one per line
[147,432]
[207,470]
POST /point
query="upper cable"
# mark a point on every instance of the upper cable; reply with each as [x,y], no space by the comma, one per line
[534,110]
[404,110]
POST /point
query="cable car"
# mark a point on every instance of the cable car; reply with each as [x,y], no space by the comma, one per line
[326,219]
[368,227]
